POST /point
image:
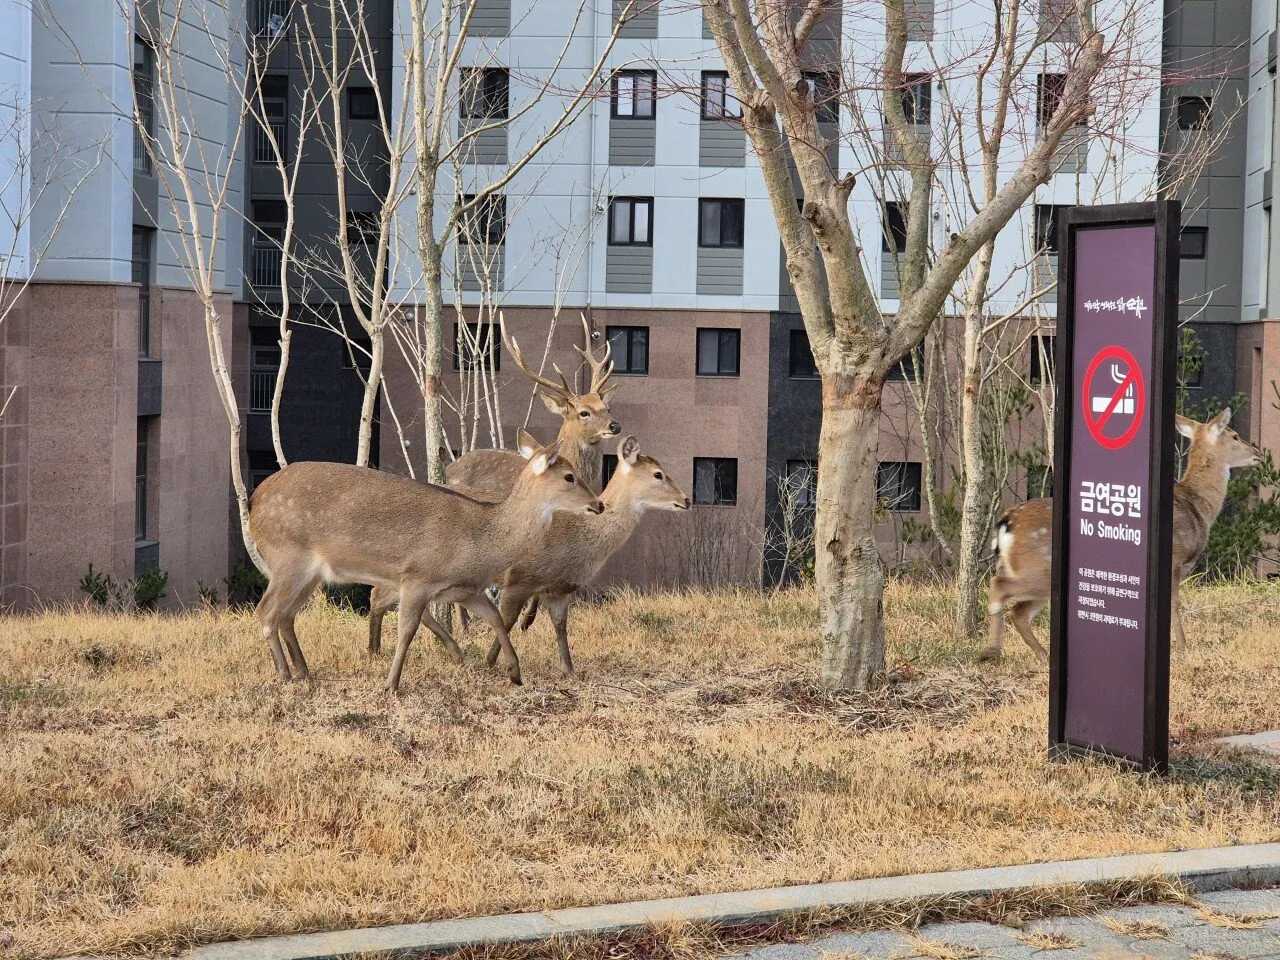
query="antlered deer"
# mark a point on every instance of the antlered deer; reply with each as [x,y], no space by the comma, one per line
[585,421]
[339,523]
[1024,537]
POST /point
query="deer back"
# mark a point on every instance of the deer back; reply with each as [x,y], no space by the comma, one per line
[1023,543]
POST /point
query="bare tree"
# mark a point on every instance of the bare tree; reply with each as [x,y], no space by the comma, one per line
[854,344]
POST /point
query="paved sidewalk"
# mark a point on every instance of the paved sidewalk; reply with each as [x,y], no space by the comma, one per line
[1237,923]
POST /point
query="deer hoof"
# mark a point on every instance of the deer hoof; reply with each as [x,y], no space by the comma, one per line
[988,654]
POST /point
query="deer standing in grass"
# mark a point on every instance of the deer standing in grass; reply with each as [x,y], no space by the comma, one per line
[339,523]
[1024,534]
[490,474]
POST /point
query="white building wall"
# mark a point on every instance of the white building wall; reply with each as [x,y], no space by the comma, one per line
[15,135]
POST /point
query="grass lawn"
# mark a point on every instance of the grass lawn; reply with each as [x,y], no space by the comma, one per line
[159,788]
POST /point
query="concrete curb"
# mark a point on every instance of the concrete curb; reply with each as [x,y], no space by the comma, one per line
[1201,870]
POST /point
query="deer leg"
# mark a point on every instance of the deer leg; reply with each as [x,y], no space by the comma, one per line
[483,607]
[443,635]
[1022,613]
[380,601]
[269,616]
[295,651]
[509,603]
[530,614]
[413,603]
[558,607]
[995,619]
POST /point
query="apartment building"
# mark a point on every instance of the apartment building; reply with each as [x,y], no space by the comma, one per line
[113,439]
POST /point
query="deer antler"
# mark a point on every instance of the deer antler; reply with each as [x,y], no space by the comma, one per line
[601,369]
[561,389]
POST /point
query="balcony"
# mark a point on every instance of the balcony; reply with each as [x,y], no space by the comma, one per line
[141,159]
[144,321]
[264,268]
[270,17]
[262,388]
[263,150]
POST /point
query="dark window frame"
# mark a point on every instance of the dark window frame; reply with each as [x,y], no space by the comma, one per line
[363,226]
[470,362]
[807,496]
[893,225]
[355,95]
[1194,112]
[142,480]
[1049,90]
[910,470]
[631,76]
[717,96]
[490,99]
[1041,344]
[917,98]
[797,371]
[722,467]
[726,204]
[824,93]
[1045,234]
[624,365]
[631,226]
[608,467]
[1203,234]
[904,371]
[491,214]
[724,334]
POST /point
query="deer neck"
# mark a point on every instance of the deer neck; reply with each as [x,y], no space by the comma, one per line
[519,523]
[585,456]
[1205,479]
[621,510]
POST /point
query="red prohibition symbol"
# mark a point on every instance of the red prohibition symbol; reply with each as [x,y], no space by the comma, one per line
[1122,394]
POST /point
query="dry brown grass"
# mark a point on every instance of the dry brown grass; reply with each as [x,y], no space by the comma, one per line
[1049,940]
[1138,929]
[158,788]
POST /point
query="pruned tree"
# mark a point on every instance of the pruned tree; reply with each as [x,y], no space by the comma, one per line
[854,344]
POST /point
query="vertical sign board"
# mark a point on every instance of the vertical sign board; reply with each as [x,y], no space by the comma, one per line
[1113,482]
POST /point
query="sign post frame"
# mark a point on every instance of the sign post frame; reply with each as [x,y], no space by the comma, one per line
[1165,216]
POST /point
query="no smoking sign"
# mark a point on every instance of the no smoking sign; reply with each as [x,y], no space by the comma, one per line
[1114,397]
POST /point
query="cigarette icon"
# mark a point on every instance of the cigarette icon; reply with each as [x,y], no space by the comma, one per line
[1124,405]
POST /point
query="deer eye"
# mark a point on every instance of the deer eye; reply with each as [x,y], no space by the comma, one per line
[568,478]
[584,414]
[657,475]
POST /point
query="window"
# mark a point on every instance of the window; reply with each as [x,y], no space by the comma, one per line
[362,103]
[898,486]
[264,368]
[720,223]
[905,369]
[629,219]
[608,467]
[1194,113]
[1048,216]
[1042,360]
[274,122]
[825,90]
[802,483]
[484,222]
[917,98]
[802,365]
[629,349]
[143,76]
[894,238]
[718,352]
[268,222]
[485,93]
[1194,240]
[363,226]
[141,275]
[475,346]
[634,94]
[715,481]
[718,100]
[142,479]
[1049,90]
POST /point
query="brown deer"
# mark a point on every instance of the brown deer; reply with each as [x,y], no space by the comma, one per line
[1024,537]
[585,421]
[340,523]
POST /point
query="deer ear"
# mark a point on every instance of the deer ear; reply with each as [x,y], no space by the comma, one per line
[1223,418]
[607,392]
[629,451]
[545,459]
[1185,427]
[557,405]
[527,446]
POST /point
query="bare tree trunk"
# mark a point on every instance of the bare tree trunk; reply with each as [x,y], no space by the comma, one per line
[976,503]
[370,401]
[849,575]
[433,318]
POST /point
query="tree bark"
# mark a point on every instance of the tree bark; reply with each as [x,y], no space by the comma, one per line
[976,503]
[849,575]
[433,321]
[370,400]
